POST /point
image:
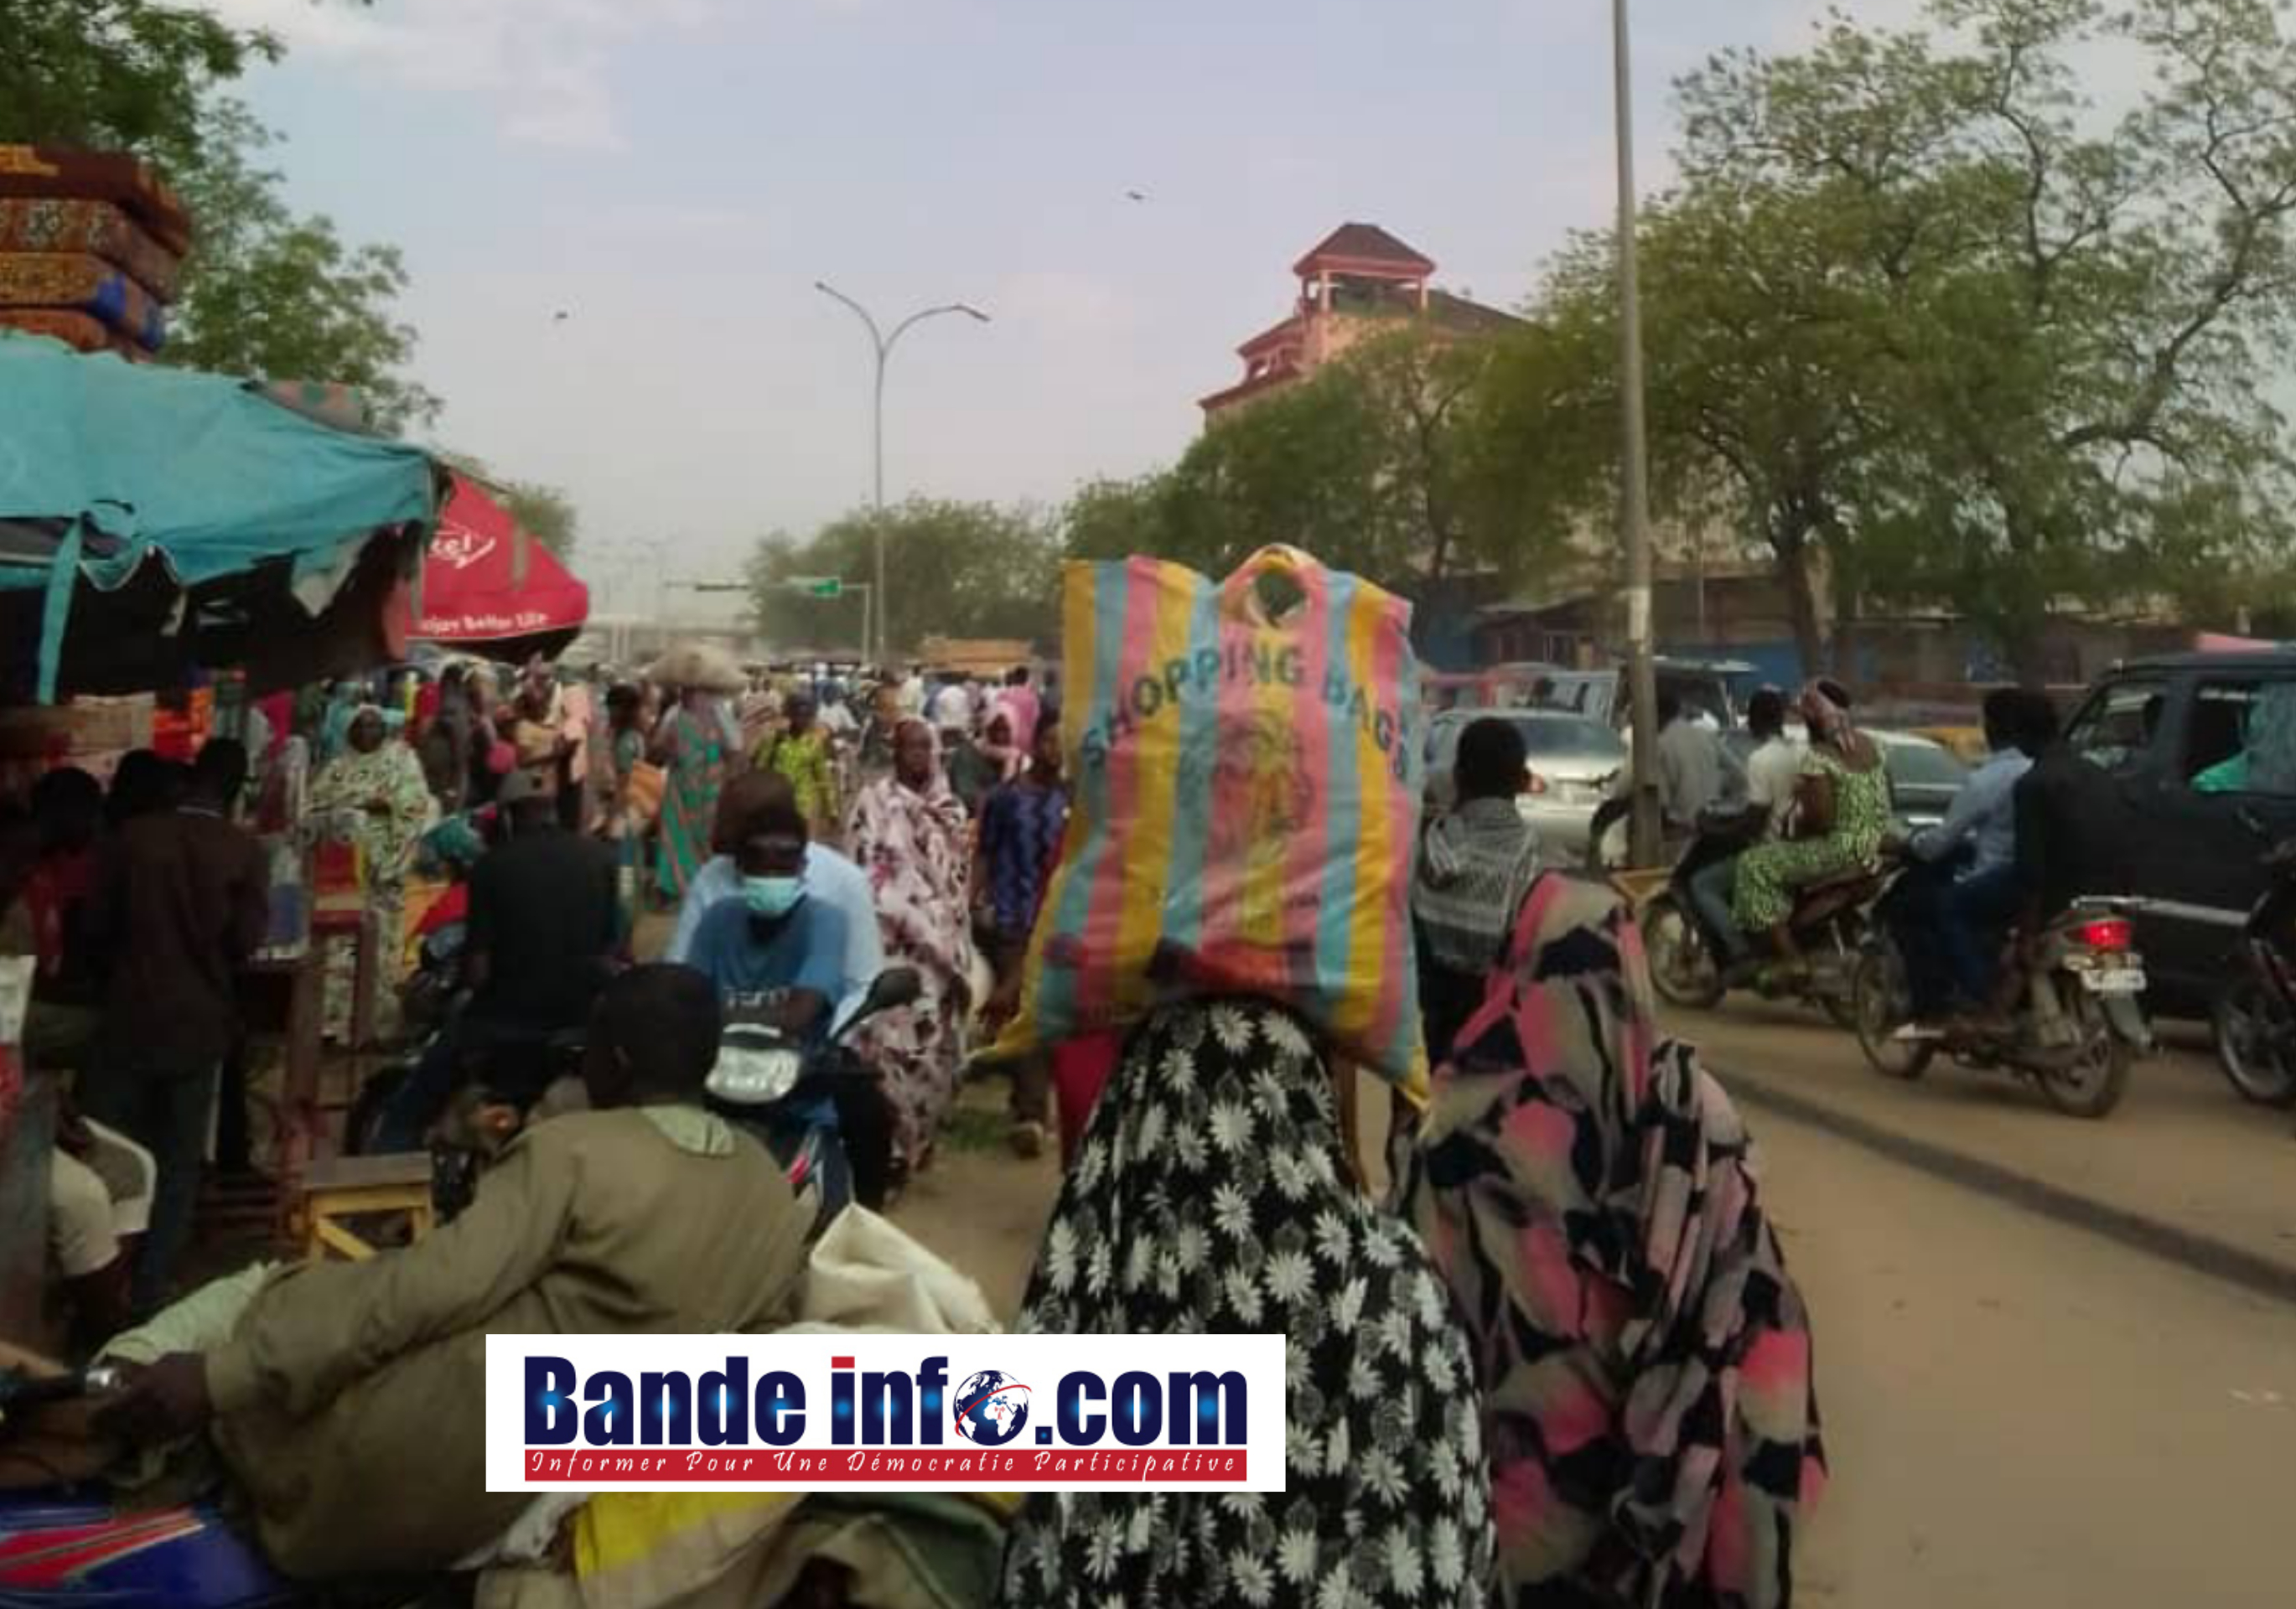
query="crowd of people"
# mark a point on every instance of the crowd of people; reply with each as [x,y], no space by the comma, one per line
[1477,1358]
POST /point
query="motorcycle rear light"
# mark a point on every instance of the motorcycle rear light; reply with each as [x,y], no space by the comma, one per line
[2112,933]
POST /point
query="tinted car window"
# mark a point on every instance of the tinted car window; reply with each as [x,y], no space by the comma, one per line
[2115,728]
[2241,737]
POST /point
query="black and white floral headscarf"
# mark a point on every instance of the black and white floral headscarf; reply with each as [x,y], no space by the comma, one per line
[1211,1196]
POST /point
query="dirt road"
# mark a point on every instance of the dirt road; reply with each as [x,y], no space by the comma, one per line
[2019,1412]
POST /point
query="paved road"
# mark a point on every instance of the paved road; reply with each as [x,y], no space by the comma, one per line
[2020,1412]
[2182,1153]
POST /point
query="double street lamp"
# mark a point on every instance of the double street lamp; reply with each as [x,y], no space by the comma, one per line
[884,345]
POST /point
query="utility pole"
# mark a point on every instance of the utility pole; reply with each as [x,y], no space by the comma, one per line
[884,344]
[1642,671]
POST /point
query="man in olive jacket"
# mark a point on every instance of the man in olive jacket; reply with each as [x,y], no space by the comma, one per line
[349,1401]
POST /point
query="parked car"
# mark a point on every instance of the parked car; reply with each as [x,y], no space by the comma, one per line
[2170,731]
[1574,763]
[1706,688]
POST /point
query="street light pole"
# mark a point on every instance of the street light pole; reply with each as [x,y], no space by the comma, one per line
[1642,671]
[884,345]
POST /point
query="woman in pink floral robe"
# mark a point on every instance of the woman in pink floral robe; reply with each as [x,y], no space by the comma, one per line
[907,833]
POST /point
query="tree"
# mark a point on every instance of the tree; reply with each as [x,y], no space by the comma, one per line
[264,293]
[2057,317]
[957,569]
[268,294]
[545,512]
[129,75]
[1380,463]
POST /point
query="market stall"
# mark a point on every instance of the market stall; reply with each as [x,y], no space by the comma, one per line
[489,587]
[154,521]
[157,526]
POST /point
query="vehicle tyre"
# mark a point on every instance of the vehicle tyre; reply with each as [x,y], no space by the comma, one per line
[1682,963]
[2093,1085]
[2256,1043]
[1879,1005]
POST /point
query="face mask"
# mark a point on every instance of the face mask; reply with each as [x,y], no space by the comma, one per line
[772,898]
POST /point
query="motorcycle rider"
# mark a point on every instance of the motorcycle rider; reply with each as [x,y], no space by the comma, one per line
[545,927]
[776,957]
[1957,897]
[1772,771]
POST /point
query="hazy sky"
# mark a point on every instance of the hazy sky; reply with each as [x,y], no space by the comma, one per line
[676,174]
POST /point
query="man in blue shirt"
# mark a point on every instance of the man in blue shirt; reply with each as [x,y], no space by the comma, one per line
[1960,893]
[830,879]
[774,954]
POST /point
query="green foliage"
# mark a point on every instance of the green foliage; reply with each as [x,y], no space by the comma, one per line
[1919,306]
[954,570]
[545,512]
[265,292]
[269,294]
[1384,463]
[115,74]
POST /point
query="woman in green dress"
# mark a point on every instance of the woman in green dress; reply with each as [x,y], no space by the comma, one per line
[377,797]
[1845,787]
[690,745]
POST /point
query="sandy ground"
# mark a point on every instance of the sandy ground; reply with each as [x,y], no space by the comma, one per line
[2019,1412]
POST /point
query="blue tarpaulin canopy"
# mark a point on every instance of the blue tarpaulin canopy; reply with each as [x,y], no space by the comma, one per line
[109,468]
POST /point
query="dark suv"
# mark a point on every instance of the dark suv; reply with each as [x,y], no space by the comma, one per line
[2205,747]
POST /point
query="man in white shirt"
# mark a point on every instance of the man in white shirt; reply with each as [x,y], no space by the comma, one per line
[952,707]
[1691,767]
[1772,771]
[829,877]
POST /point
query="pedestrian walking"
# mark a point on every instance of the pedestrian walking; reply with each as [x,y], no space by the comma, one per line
[690,744]
[1645,1358]
[1020,838]
[908,835]
[374,796]
[1214,1195]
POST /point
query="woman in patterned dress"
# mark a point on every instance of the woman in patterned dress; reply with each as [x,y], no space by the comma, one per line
[690,744]
[908,835]
[1845,785]
[1588,1194]
[376,791]
[1213,1195]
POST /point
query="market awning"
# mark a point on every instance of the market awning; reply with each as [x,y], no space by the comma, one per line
[153,519]
[490,586]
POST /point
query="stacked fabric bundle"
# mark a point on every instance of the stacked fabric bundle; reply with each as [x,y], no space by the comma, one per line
[91,248]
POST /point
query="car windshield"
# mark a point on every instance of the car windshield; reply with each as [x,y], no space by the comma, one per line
[1569,735]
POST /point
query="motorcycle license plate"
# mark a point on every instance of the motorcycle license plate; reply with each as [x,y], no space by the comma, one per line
[2120,980]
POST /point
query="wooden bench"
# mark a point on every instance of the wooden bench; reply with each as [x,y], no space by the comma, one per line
[342,1188]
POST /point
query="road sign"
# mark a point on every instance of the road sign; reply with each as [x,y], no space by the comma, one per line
[817,586]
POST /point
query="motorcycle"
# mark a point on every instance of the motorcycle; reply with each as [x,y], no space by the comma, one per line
[69,1546]
[1830,923]
[768,1083]
[2079,1024]
[2255,1015]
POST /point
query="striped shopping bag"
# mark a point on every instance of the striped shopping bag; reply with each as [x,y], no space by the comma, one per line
[1245,803]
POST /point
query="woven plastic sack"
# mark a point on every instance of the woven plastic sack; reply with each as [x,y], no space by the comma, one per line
[1245,794]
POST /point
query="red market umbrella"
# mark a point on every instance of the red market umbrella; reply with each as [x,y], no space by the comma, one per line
[491,587]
